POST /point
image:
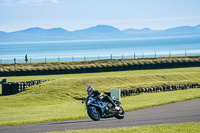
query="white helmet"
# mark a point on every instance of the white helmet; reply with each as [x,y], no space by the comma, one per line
[90,90]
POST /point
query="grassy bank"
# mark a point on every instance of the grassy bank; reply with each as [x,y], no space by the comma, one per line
[53,100]
[64,85]
[163,128]
[181,71]
[97,66]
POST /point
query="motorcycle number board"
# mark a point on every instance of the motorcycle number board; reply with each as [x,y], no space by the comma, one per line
[115,94]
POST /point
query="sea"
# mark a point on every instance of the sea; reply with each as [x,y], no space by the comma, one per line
[80,50]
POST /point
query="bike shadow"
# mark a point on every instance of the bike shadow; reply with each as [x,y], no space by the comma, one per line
[76,122]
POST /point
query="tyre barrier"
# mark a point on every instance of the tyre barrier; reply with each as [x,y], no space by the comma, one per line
[163,88]
[10,88]
[157,89]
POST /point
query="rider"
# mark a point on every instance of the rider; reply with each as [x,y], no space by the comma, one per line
[97,95]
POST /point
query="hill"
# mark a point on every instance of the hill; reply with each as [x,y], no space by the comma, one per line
[97,32]
[183,30]
[99,29]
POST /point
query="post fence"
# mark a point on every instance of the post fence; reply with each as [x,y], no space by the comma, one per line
[98,57]
[185,53]
[84,58]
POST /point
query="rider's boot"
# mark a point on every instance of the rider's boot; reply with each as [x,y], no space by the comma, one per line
[117,108]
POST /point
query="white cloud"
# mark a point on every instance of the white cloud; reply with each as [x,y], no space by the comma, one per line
[125,21]
[11,2]
[38,1]
[6,2]
[167,19]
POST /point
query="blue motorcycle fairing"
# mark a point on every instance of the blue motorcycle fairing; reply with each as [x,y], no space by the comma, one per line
[97,103]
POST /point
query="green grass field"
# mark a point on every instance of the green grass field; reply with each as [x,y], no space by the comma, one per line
[164,128]
[53,100]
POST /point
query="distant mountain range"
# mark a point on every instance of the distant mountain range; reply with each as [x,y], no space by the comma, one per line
[97,32]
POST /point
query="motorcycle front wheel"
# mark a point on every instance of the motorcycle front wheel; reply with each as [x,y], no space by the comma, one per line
[120,114]
[93,113]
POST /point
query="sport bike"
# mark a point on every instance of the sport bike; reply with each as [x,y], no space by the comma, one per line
[98,109]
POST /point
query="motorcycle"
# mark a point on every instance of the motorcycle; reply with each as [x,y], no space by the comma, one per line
[97,109]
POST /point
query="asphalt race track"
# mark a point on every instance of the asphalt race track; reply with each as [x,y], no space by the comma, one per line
[187,111]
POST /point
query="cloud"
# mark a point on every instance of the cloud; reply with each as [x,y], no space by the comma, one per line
[12,2]
[38,1]
[6,2]
[167,19]
[125,21]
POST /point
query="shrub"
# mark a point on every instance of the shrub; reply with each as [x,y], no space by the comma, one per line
[50,68]
[169,61]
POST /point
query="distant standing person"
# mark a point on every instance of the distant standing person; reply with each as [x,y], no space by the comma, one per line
[14,60]
[26,58]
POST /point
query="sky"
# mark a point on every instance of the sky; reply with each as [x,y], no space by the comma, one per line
[80,14]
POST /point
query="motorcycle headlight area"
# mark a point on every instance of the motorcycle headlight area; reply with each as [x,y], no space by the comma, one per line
[88,101]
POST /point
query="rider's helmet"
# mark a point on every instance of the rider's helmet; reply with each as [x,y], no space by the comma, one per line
[90,90]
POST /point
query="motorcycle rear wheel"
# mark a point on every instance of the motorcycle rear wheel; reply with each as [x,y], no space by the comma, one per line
[94,115]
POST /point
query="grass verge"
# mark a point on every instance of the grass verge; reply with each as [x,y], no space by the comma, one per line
[163,128]
[53,100]
[68,110]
